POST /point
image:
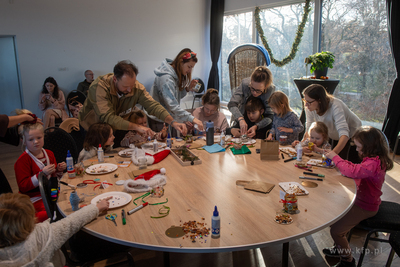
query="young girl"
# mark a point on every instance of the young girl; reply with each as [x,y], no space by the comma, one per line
[98,133]
[210,111]
[52,103]
[34,160]
[285,121]
[369,176]
[136,138]
[318,134]
[24,243]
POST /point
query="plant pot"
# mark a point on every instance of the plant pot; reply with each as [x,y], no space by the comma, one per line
[319,73]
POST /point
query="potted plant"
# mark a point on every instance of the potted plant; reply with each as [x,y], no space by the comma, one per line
[320,62]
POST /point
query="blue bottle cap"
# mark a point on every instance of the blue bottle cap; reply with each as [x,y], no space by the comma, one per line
[68,154]
[216,213]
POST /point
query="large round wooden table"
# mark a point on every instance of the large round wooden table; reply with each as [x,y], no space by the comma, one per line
[247,217]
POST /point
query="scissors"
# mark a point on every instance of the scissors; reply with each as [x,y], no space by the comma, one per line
[112,217]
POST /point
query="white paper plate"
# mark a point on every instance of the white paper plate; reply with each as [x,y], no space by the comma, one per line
[126,153]
[289,150]
[293,187]
[150,145]
[249,142]
[101,168]
[118,199]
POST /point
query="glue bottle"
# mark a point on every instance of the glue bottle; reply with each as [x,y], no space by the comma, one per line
[222,141]
[100,154]
[70,165]
[155,146]
[215,224]
[299,149]
[169,143]
[74,200]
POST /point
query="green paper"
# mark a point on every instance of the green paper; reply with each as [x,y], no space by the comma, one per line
[243,150]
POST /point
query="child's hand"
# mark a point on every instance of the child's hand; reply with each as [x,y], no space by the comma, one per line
[49,169]
[269,137]
[294,144]
[252,131]
[286,130]
[331,154]
[306,149]
[61,166]
[104,204]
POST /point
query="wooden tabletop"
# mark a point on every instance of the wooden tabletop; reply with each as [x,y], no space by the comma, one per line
[247,217]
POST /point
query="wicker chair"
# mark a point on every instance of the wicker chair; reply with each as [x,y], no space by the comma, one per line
[242,61]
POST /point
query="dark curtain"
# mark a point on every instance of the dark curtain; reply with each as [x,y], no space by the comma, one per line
[216,26]
[391,124]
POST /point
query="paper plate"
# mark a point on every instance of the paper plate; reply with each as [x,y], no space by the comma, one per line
[126,153]
[249,142]
[283,219]
[294,188]
[102,168]
[150,145]
[118,199]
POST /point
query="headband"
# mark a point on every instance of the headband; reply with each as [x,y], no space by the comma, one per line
[189,55]
[30,122]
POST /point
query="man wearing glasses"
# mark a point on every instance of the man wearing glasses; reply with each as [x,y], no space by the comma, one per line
[258,85]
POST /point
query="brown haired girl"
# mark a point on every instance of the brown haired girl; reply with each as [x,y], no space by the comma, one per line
[172,82]
[210,110]
[372,147]
[258,85]
[340,120]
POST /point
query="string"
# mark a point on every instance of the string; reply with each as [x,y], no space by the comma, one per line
[164,211]
[146,195]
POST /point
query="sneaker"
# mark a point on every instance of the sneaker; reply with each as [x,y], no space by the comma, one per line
[331,252]
[346,264]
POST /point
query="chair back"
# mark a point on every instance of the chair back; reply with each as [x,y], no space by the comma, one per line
[49,199]
[59,142]
[4,184]
[242,61]
[73,98]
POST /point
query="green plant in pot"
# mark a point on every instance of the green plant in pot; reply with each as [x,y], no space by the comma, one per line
[320,62]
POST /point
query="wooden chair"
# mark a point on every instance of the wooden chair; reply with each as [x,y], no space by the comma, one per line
[59,142]
[242,61]
[73,98]
[95,243]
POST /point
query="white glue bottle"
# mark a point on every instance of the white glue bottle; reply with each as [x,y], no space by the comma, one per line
[155,146]
[100,154]
[299,149]
[222,141]
[215,224]
[169,143]
[70,165]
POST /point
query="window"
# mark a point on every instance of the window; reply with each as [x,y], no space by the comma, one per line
[354,30]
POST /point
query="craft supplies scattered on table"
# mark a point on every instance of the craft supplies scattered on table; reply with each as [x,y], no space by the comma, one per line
[74,200]
[283,157]
[257,186]
[283,219]
[310,178]
[214,148]
[289,203]
[112,217]
[196,230]
[123,217]
[118,199]
[287,160]
[70,185]
[293,188]
[138,208]
[309,184]
[314,174]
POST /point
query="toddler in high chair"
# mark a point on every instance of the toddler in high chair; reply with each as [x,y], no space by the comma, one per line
[369,175]
[285,122]
[26,243]
[136,138]
[99,133]
[318,141]
[33,161]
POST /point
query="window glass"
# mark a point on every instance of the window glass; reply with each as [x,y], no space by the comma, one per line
[355,31]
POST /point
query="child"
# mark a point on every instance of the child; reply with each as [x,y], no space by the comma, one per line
[285,121]
[369,176]
[34,160]
[318,133]
[98,133]
[136,138]
[254,110]
[24,243]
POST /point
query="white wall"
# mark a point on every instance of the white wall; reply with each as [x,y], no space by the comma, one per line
[63,38]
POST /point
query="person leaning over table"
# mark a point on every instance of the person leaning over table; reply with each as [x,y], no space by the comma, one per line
[259,85]
[84,86]
[342,123]
[112,99]
[173,81]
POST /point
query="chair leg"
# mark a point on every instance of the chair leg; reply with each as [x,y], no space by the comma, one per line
[285,254]
[390,258]
[395,146]
[131,261]
[194,98]
[166,259]
[360,260]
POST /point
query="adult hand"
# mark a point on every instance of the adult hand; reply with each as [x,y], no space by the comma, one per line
[294,144]
[49,169]
[331,154]
[180,127]
[192,84]
[145,131]
[269,137]
[104,204]
[252,131]
[286,130]
[61,166]
[243,126]
[199,124]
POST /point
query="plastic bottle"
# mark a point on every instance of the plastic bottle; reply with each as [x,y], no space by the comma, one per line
[74,200]
[155,146]
[299,149]
[222,142]
[169,143]
[100,154]
[209,133]
[215,224]
[70,165]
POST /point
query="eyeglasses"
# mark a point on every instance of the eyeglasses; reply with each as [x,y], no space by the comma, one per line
[211,111]
[308,103]
[253,90]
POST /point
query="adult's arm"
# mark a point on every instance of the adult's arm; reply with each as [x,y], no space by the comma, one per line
[60,102]
[43,102]
[14,120]
[236,101]
[341,125]
[268,113]
[341,144]
[310,118]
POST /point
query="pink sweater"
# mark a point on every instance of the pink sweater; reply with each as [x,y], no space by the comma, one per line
[369,178]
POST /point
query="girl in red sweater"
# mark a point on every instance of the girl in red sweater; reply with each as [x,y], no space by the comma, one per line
[34,160]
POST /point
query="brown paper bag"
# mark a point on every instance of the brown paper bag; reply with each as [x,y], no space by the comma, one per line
[269,150]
